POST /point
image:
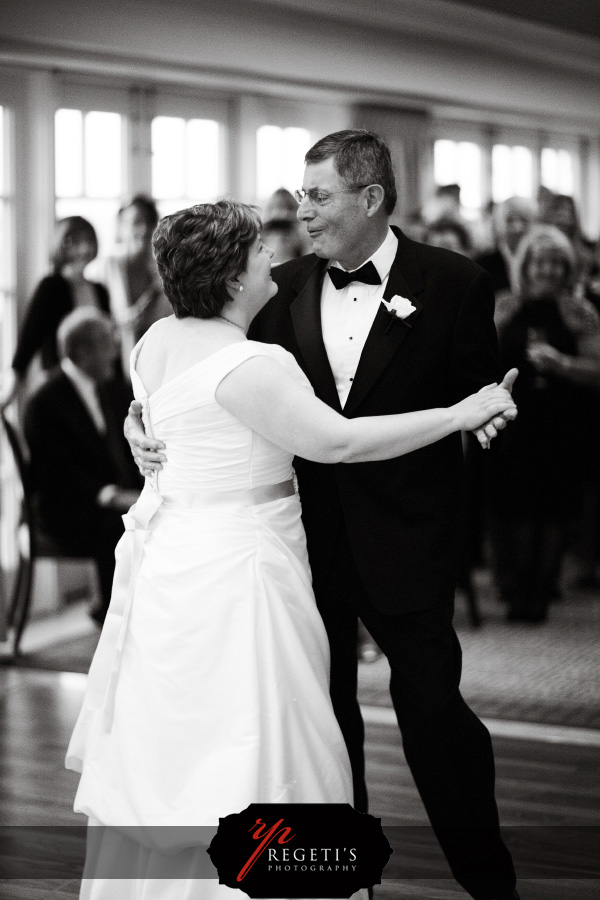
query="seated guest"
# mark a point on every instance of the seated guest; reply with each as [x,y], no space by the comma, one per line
[83,477]
[450,234]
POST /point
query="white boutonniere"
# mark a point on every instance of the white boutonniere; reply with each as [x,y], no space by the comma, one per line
[399,308]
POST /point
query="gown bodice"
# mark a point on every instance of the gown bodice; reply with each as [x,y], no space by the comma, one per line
[207,447]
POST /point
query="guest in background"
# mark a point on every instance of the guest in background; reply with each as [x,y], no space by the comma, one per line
[514,218]
[414,226]
[562,212]
[66,288]
[483,230]
[282,238]
[136,295]
[450,234]
[84,479]
[281,228]
[553,336]
[445,203]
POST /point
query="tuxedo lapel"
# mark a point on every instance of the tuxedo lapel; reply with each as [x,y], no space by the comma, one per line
[387,333]
[306,317]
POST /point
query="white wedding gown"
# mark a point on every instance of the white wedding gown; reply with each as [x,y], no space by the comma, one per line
[209,687]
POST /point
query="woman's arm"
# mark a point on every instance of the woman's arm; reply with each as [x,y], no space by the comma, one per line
[49,304]
[265,397]
[583,369]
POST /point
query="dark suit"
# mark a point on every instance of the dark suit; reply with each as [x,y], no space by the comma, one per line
[71,461]
[384,538]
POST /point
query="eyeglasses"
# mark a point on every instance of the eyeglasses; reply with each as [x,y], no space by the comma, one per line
[320,198]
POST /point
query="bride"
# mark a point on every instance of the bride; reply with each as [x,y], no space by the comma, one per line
[209,687]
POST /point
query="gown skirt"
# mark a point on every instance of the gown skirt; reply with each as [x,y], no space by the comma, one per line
[209,687]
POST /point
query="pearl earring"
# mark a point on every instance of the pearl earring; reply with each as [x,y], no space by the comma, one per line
[241,287]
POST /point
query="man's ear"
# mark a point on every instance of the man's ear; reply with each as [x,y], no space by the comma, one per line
[374,197]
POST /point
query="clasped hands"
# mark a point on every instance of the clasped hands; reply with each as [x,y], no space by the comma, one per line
[486,433]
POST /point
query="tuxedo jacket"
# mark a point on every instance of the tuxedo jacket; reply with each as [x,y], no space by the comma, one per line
[71,461]
[402,515]
[51,302]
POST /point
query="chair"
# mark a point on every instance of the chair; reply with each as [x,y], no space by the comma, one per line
[33,543]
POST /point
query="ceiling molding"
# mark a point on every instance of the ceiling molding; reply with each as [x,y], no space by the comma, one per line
[66,60]
[460,25]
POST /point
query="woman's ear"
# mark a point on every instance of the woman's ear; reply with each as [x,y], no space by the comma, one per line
[234,287]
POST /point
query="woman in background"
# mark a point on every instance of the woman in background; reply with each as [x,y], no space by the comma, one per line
[136,295]
[553,337]
[66,288]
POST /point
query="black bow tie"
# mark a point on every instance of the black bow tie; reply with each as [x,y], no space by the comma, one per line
[367,274]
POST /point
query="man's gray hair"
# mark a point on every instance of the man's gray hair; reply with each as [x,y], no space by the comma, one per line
[360,157]
[80,330]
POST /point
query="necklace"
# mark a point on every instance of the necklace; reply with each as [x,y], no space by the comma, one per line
[235,324]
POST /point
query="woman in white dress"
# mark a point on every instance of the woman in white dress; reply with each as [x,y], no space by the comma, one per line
[209,687]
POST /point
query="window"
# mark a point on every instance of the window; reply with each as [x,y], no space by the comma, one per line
[459,162]
[280,156]
[512,172]
[557,171]
[89,168]
[186,162]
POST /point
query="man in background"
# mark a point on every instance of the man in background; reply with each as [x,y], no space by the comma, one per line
[82,474]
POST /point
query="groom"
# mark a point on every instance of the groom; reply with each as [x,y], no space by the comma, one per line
[384,537]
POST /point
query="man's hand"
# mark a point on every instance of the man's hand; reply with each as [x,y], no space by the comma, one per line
[486,434]
[146,451]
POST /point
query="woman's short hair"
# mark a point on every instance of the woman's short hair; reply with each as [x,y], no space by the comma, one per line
[360,157]
[199,250]
[544,236]
[67,233]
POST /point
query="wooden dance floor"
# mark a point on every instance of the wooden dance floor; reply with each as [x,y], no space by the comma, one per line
[548,793]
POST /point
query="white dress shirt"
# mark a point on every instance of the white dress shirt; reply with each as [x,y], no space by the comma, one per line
[348,314]
[86,388]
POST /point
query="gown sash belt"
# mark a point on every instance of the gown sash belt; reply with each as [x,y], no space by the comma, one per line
[210,499]
[104,672]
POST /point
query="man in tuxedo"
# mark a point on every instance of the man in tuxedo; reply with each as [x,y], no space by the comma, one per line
[82,474]
[384,537]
